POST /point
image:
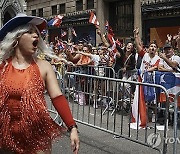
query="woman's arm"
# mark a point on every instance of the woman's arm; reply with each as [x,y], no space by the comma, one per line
[59,101]
[71,57]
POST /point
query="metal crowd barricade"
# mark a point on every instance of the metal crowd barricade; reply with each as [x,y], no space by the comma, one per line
[131,74]
[93,70]
[60,71]
[176,122]
[119,122]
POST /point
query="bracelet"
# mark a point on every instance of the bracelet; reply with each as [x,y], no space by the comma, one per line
[71,127]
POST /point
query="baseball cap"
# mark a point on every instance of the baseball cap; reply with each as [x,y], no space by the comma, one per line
[167,45]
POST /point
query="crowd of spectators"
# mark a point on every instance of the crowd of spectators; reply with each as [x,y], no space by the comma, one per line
[122,58]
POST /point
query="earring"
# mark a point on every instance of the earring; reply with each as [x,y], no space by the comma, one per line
[15,44]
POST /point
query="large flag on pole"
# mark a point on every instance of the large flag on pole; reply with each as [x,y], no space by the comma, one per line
[93,19]
[56,22]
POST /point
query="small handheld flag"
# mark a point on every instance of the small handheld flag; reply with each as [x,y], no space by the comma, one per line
[93,19]
[56,22]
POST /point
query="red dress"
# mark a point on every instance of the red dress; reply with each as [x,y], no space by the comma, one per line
[25,124]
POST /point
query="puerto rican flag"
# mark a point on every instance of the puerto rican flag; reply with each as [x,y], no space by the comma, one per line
[61,45]
[56,22]
[110,35]
[93,19]
[112,41]
[139,117]
[63,33]
[118,42]
[169,80]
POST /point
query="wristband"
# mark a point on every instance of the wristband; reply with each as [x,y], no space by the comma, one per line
[71,127]
[62,106]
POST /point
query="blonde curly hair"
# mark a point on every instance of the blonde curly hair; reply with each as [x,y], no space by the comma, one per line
[10,40]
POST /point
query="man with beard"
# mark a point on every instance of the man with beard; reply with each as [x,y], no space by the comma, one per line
[150,62]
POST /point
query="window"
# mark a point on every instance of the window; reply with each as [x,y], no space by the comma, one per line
[33,12]
[40,12]
[79,5]
[54,10]
[90,4]
[122,17]
[62,8]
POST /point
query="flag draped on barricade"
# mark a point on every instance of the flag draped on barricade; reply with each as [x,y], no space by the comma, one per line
[143,94]
[169,80]
[139,117]
[149,91]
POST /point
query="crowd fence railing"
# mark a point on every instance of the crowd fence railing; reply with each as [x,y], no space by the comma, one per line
[176,122]
[118,123]
[100,100]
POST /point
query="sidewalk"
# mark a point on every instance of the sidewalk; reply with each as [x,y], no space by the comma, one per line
[93,141]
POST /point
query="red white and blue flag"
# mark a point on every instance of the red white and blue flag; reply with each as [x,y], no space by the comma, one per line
[112,41]
[169,80]
[56,22]
[61,45]
[63,33]
[93,19]
[118,42]
[139,117]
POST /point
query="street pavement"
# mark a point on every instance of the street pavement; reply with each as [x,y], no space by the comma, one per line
[94,141]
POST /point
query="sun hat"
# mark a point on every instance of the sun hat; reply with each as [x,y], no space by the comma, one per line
[22,19]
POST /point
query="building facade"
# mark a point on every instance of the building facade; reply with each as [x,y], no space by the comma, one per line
[9,8]
[77,12]
[155,18]
[159,18]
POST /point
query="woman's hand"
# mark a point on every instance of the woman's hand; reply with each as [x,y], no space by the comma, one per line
[74,140]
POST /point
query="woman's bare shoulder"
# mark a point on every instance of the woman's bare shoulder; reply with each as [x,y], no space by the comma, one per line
[43,64]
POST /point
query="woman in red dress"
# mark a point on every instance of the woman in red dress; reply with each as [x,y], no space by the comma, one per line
[25,124]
